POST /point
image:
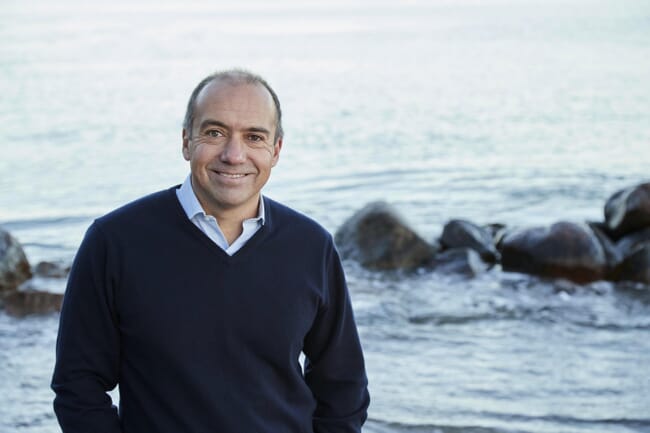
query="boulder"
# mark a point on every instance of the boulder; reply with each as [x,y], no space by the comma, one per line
[498,231]
[633,241]
[51,270]
[465,234]
[25,302]
[612,254]
[636,266]
[603,228]
[378,238]
[465,261]
[628,210]
[564,250]
[14,267]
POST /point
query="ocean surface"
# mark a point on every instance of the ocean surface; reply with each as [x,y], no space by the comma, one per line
[517,111]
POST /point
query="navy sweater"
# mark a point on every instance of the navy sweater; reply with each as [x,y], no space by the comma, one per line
[200,341]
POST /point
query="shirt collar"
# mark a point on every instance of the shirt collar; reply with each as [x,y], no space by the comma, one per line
[192,207]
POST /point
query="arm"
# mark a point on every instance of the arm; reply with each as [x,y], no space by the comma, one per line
[87,350]
[334,365]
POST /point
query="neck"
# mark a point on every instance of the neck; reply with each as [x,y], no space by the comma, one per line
[231,225]
[231,220]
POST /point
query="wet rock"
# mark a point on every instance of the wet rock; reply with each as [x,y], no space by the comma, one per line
[26,302]
[51,270]
[636,266]
[465,234]
[633,241]
[378,238]
[465,261]
[14,267]
[612,254]
[603,228]
[498,231]
[628,210]
[564,250]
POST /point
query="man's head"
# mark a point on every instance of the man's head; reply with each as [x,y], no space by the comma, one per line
[235,76]
[232,138]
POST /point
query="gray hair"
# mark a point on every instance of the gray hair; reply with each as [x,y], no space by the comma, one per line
[239,76]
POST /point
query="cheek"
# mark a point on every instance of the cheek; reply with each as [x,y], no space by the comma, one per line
[264,165]
[202,155]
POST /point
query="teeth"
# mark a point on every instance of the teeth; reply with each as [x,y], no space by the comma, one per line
[232,176]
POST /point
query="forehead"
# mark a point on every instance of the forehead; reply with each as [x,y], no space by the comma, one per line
[227,100]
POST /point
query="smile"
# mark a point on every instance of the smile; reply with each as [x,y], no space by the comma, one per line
[231,175]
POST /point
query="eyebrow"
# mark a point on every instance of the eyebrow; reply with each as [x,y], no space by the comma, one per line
[213,122]
[259,129]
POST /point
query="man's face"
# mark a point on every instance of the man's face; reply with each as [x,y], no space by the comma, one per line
[231,147]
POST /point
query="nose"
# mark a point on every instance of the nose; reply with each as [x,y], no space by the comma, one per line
[234,151]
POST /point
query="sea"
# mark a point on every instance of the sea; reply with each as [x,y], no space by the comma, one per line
[519,112]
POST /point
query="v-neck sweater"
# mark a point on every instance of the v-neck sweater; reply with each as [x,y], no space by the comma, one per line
[200,341]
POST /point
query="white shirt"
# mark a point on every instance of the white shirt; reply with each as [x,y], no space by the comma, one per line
[208,224]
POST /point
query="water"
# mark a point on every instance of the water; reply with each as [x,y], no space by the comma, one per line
[518,112]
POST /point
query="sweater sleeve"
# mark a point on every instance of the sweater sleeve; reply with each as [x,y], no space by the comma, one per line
[334,365]
[88,343]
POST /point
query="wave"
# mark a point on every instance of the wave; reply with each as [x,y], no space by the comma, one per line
[375,425]
[42,222]
[569,420]
[540,316]
[42,245]
[441,319]
[495,298]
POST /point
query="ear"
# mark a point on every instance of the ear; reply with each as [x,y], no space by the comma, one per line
[276,151]
[186,145]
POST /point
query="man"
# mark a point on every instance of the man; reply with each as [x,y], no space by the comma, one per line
[199,299]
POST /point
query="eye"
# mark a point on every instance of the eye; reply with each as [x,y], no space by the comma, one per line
[213,133]
[255,137]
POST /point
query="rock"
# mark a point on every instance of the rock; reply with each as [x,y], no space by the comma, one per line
[14,267]
[612,254]
[603,228]
[636,266]
[628,210]
[50,270]
[498,231]
[22,303]
[465,234]
[464,261]
[633,241]
[565,250]
[378,238]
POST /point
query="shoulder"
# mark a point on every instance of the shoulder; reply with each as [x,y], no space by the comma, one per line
[148,208]
[283,218]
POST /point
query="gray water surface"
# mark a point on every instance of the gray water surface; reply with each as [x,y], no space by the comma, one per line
[519,112]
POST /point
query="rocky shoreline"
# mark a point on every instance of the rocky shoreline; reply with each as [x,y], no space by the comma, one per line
[376,236]
[616,249]
[23,288]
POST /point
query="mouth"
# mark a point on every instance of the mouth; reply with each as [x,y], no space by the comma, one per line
[231,175]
